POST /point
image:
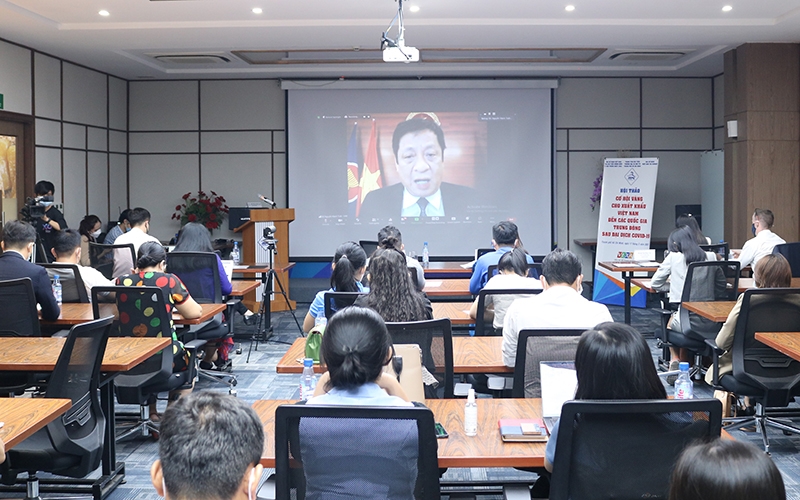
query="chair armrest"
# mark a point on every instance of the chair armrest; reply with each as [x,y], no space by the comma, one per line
[666,314]
[194,344]
[716,352]
[192,348]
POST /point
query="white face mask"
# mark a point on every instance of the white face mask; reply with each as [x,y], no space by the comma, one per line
[47,203]
[95,234]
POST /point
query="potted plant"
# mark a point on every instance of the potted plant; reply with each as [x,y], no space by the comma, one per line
[209,211]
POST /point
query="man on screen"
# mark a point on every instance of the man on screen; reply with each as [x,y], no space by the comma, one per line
[418,145]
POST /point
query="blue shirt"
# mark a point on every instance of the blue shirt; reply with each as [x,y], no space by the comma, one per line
[369,394]
[317,307]
[480,271]
[550,449]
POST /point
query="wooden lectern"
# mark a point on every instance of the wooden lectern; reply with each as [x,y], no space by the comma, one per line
[253,254]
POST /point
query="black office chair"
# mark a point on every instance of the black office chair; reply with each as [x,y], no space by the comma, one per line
[435,339]
[769,378]
[792,253]
[481,329]
[363,452]
[101,257]
[73,290]
[369,246]
[18,318]
[707,281]
[143,313]
[72,444]
[339,300]
[721,249]
[199,272]
[534,346]
[626,449]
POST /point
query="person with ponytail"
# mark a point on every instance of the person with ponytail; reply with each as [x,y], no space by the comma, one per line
[390,237]
[391,292]
[349,264]
[150,269]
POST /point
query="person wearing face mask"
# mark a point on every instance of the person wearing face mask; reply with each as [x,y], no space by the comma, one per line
[19,239]
[191,464]
[121,227]
[139,219]
[52,221]
[89,228]
[559,305]
[764,241]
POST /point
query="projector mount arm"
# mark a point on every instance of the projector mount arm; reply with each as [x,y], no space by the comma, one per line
[400,41]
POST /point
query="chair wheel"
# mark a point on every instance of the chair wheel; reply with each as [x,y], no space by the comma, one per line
[234,382]
[232,392]
[787,433]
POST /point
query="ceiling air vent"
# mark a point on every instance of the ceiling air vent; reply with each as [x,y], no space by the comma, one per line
[204,59]
[647,56]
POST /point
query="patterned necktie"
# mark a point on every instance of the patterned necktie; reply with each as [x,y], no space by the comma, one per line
[423,204]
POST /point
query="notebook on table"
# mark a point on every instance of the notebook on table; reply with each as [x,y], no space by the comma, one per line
[558,386]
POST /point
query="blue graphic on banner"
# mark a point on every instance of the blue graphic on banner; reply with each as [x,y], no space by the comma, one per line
[608,291]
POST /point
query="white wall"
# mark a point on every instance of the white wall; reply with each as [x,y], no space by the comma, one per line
[673,119]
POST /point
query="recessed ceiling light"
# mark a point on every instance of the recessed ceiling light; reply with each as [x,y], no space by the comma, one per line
[727,8]
[104,13]
[569,8]
[257,10]
[414,8]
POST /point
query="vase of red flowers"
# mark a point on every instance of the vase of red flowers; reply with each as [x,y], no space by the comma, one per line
[209,211]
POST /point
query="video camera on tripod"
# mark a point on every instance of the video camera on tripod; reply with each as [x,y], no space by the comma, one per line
[268,240]
[35,208]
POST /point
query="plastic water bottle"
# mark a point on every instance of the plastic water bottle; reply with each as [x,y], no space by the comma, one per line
[684,388]
[471,414]
[426,256]
[320,322]
[57,293]
[308,381]
[235,253]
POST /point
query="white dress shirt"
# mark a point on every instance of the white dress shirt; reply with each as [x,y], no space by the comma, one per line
[435,207]
[122,256]
[556,307]
[501,303]
[92,277]
[758,247]
[674,267]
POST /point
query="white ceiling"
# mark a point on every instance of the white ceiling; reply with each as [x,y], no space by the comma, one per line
[124,42]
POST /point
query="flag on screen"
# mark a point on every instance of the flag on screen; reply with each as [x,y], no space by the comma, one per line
[353,189]
[371,173]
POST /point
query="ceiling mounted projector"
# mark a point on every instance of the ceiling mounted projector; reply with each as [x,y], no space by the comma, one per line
[396,50]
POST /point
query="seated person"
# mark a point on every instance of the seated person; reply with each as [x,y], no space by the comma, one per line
[613,361]
[505,237]
[150,266]
[349,264]
[52,221]
[18,242]
[67,249]
[689,221]
[391,292]
[763,243]
[192,464]
[726,469]
[121,227]
[560,305]
[140,227]
[512,272]
[89,228]
[390,237]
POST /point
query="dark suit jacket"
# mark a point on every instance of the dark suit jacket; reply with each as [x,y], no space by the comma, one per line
[388,202]
[13,266]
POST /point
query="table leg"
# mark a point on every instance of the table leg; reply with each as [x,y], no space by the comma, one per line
[627,277]
[109,457]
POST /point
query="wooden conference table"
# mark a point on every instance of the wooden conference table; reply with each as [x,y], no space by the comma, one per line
[627,269]
[715,311]
[744,284]
[240,288]
[122,353]
[787,343]
[438,270]
[470,355]
[458,288]
[22,417]
[459,450]
[75,314]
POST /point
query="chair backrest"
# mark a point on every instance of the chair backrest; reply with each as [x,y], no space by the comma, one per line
[369,246]
[199,273]
[721,249]
[707,281]
[534,346]
[75,377]
[792,253]
[339,300]
[435,338]
[480,324]
[72,287]
[18,314]
[324,450]
[755,364]
[626,449]
[101,257]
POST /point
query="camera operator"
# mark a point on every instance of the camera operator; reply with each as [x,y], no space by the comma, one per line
[52,220]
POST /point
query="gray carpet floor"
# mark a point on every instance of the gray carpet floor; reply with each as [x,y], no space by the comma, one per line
[258,380]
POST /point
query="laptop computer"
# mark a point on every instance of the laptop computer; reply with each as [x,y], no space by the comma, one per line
[558,386]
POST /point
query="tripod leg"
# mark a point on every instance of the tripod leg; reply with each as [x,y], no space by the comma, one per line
[288,304]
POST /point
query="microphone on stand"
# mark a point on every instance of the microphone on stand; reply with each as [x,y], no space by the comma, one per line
[267,200]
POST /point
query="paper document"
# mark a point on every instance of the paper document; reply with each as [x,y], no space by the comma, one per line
[558,385]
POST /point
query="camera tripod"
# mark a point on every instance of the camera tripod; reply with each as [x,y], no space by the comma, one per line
[264,326]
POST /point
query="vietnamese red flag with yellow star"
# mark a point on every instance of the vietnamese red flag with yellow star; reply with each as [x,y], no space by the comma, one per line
[371,173]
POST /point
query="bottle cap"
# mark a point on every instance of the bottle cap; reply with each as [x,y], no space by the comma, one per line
[425,243]
[471,395]
[308,363]
[683,366]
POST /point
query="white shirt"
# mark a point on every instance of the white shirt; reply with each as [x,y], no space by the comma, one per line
[92,277]
[674,267]
[411,208]
[556,307]
[758,247]
[122,256]
[501,303]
